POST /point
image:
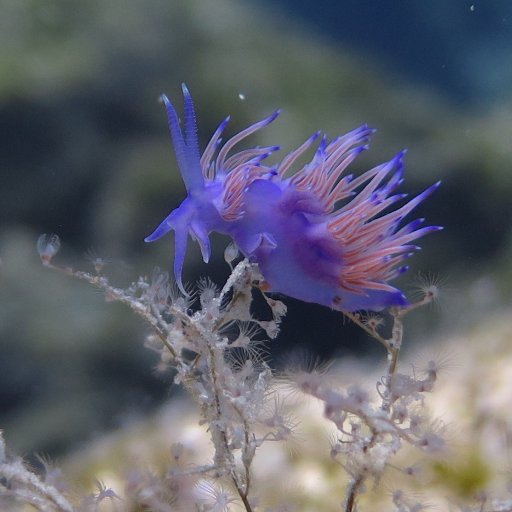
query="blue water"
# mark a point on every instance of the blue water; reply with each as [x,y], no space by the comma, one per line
[462,48]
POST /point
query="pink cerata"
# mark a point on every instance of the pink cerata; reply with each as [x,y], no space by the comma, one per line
[317,234]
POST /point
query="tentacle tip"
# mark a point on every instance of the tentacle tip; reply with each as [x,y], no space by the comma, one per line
[400,156]
[164,99]
[323,145]
[365,131]
[432,188]
[401,299]
[222,127]
[274,115]
[156,235]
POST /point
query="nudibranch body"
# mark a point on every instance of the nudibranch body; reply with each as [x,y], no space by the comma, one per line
[317,235]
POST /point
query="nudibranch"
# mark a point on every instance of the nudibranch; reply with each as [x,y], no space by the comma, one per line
[317,234]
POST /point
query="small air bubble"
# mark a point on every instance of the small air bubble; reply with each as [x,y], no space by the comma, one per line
[241,96]
[47,247]
[472,7]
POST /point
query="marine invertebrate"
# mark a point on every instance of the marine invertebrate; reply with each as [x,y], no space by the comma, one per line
[317,235]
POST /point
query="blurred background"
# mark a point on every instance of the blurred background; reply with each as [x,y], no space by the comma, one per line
[85,154]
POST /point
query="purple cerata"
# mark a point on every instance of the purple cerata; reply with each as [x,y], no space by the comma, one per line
[316,234]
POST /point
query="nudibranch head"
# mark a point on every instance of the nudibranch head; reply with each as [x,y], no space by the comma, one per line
[209,203]
[318,235]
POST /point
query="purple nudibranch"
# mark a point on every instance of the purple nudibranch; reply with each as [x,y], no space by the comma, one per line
[317,235]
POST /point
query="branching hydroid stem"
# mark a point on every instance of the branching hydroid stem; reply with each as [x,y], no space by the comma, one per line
[393,346]
[119,295]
